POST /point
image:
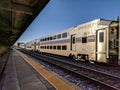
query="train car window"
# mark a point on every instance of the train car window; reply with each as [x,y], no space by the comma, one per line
[50,47]
[84,39]
[50,38]
[59,36]
[64,47]
[54,37]
[59,47]
[64,35]
[101,37]
[47,47]
[73,40]
[54,47]
[45,39]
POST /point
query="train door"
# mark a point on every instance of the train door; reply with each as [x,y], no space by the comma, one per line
[101,43]
[73,43]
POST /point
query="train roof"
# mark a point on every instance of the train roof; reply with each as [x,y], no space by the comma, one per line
[99,21]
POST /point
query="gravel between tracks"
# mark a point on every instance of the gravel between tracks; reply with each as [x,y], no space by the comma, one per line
[80,82]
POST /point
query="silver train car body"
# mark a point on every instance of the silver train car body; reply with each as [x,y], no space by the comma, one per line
[97,40]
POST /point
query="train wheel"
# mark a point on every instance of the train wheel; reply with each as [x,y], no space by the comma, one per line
[79,57]
[70,56]
[75,58]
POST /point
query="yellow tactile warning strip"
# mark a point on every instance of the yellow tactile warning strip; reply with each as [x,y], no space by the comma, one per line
[50,77]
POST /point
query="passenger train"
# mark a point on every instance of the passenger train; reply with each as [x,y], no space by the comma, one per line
[96,41]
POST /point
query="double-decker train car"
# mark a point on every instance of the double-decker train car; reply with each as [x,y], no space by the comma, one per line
[97,40]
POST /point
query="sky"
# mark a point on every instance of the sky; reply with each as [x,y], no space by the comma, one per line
[59,15]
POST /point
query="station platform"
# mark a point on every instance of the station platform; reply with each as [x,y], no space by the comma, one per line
[20,73]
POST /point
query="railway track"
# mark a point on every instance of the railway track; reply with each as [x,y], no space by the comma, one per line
[113,70]
[106,81]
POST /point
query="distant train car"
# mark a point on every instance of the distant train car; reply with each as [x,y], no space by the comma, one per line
[29,45]
[97,40]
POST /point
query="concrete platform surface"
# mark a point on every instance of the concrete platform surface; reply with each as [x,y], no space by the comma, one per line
[19,75]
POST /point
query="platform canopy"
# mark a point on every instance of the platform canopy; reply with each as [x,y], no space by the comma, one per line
[16,16]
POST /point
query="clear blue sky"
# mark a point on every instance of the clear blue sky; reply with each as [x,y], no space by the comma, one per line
[62,14]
